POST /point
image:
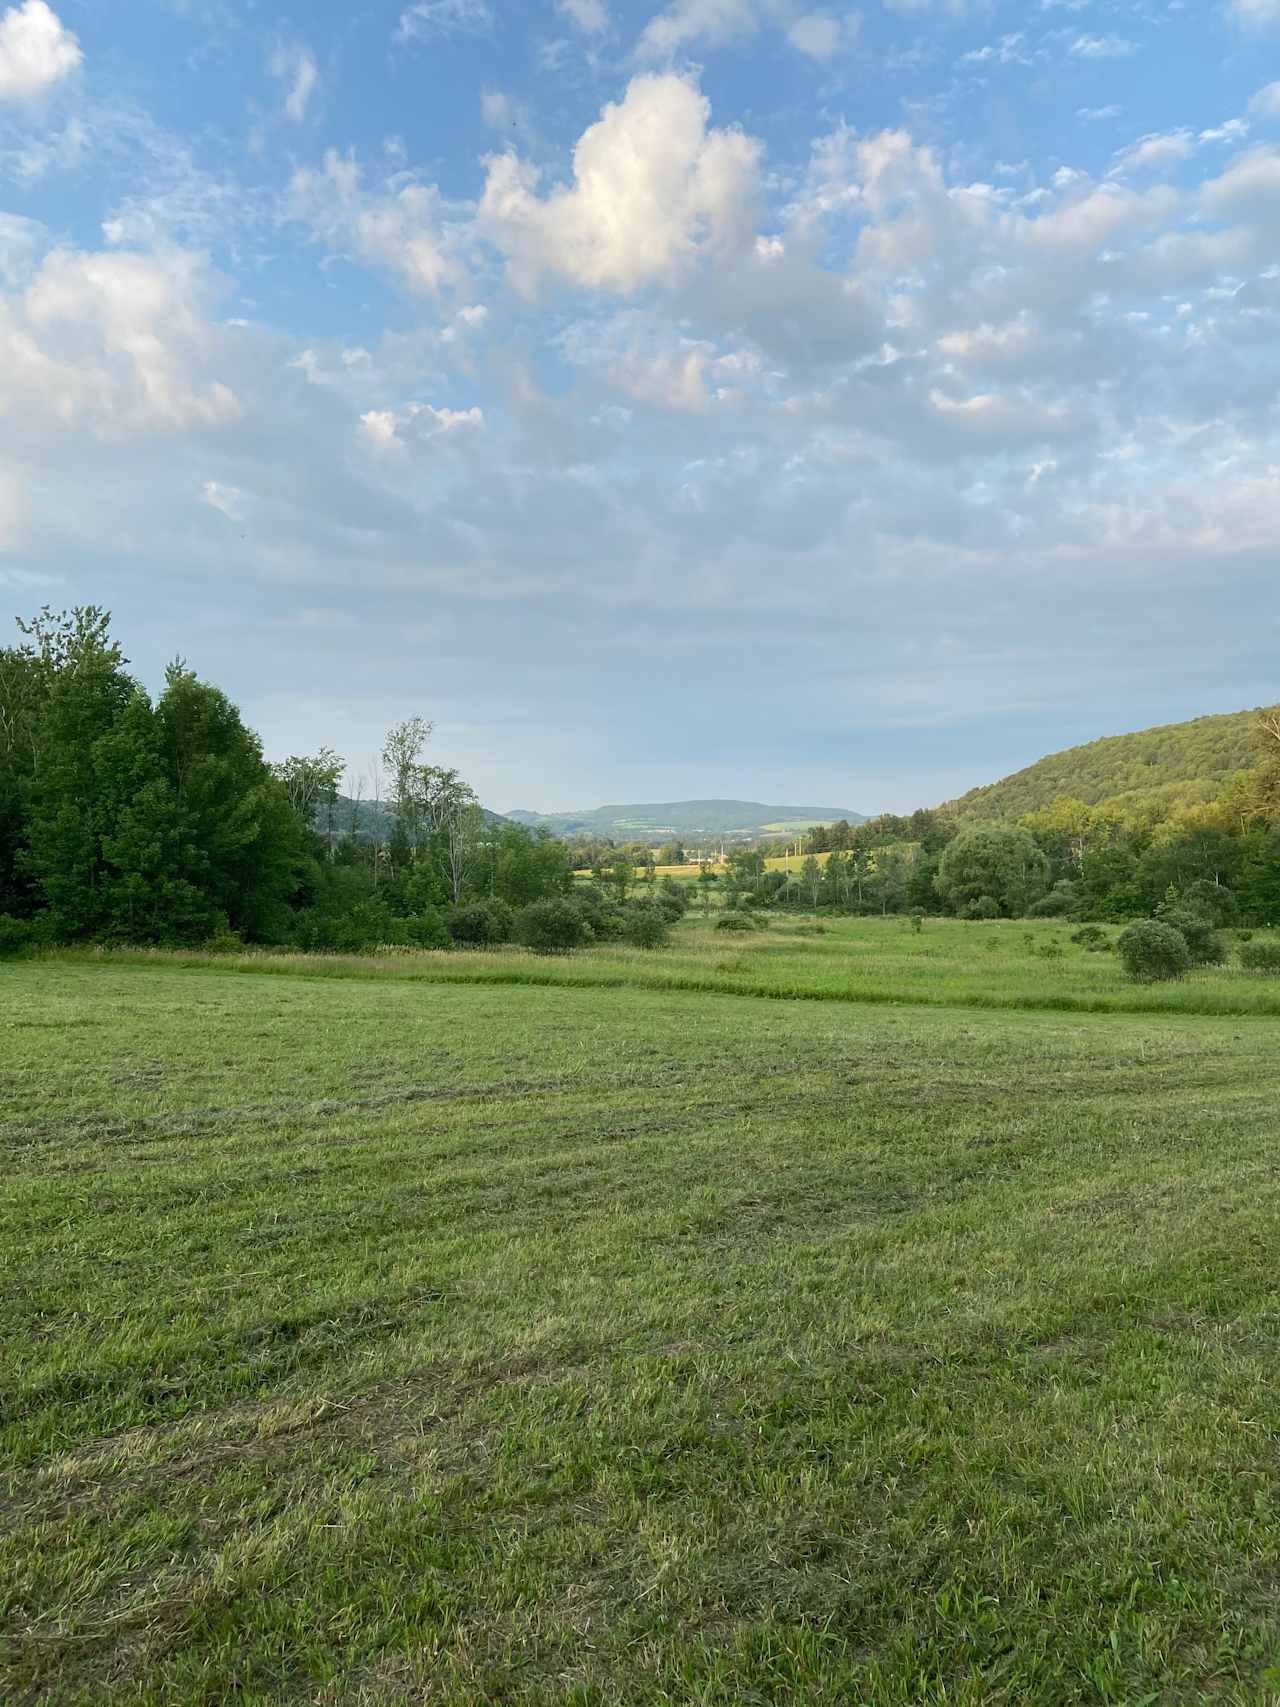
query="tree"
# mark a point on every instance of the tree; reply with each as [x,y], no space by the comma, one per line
[249,852]
[1151,951]
[811,880]
[311,784]
[997,861]
[671,853]
[1267,739]
[401,752]
[80,688]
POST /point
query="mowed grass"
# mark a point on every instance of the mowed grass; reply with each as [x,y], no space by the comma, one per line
[380,1340]
[997,964]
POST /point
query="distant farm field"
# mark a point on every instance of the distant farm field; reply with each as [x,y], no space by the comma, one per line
[712,1326]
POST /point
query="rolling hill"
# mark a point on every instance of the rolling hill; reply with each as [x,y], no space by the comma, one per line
[1154,769]
[736,819]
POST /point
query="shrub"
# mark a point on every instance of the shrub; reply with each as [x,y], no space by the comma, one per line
[1093,938]
[552,927]
[809,930]
[16,936]
[477,924]
[1203,942]
[1152,950]
[646,925]
[985,907]
[676,897]
[1261,957]
[734,922]
[425,929]
[1214,900]
[1061,899]
[1244,936]
[1051,951]
[916,915]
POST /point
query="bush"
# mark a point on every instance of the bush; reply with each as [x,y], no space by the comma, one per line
[985,907]
[1203,942]
[1214,900]
[916,915]
[677,898]
[734,922]
[425,929]
[1261,957]
[645,925]
[16,936]
[1093,938]
[1061,899]
[552,927]
[478,924]
[1244,936]
[1152,950]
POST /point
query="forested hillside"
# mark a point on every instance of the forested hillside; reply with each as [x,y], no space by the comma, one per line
[1154,771]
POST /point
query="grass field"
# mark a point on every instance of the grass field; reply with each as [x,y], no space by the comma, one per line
[371,1338]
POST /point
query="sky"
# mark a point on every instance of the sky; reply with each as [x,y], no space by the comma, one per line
[813,404]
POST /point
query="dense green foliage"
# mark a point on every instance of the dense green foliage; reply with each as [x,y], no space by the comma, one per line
[375,1341]
[1152,950]
[1261,957]
[124,819]
[1152,771]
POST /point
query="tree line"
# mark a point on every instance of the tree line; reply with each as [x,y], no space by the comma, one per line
[131,818]
[1069,860]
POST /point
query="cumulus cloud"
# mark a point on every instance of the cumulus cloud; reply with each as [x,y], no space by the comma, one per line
[1155,152]
[295,67]
[397,430]
[36,51]
[118,345]
[1266,103]
[401,226]
[1250,184]
[655,190]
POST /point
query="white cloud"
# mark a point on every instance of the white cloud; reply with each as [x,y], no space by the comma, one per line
[401,226]
[118,344]
[654,190]
[428,18]
[228,500]
[1102,47]
[1095,115]
[36,51]
[295,66]
[1256,14]
[590,16]
[1250,184]
[1266,103]
[1150,153]
[1233,130]
[818,35]
[713,22]
[389,430]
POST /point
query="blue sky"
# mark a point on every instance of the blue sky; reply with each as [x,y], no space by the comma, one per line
[737,397]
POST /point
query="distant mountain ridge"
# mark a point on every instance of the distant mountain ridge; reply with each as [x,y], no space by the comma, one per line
[640,821]
[1154,770]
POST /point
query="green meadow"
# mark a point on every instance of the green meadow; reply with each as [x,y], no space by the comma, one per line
[857,1317]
